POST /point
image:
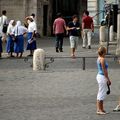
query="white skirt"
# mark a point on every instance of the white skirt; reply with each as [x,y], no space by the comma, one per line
[102,84]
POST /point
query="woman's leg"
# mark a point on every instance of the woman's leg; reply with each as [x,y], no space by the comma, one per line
[97,106]
[31,53]
[17,54]
[101,93]
[100,107]
[11,54]
[21,54]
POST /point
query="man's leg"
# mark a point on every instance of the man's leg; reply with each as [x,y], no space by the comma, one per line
[76,39]
[84,38]
[57,43]
[89,36]
[72,45]
[61,43]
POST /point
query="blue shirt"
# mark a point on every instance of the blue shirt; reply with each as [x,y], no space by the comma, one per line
[100,70]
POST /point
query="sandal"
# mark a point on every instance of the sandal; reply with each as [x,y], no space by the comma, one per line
[101,113]
[73,56]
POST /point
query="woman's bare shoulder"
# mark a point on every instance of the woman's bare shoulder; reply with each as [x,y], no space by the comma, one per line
[102,59]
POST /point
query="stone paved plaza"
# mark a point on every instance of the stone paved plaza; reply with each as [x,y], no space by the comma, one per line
[63,92]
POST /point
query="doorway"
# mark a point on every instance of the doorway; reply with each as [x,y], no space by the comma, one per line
[45,16]
[66,7]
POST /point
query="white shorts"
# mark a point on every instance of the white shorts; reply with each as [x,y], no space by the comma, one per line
[74,41]
[102,84]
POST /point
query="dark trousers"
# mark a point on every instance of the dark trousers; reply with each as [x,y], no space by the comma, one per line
[59,41]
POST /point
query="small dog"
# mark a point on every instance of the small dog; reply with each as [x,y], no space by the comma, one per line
[39,60]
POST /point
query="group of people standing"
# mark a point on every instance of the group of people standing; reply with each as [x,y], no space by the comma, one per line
[14,35]
[73,29]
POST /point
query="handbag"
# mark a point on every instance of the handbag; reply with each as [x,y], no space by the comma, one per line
[4,30]
[108,92]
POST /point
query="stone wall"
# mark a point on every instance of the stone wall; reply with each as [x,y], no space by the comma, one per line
[19,9]
[15,9]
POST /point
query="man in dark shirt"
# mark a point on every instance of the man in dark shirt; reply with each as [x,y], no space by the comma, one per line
[88,28]
[74,32]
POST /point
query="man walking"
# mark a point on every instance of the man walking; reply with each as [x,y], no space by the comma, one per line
[3,24]
[59,27]
[88,28]
[74,32]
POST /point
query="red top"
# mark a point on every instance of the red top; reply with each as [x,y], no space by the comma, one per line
[88,22]
[59,25]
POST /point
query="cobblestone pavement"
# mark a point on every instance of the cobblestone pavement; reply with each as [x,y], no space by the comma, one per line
[63,92]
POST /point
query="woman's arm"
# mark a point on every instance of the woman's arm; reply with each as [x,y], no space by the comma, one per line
[33,34]
[102,61]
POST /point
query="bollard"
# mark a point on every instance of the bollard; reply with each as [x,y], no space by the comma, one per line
[102,32]
[111,33]
[39,60]
[118,36]
[83,63]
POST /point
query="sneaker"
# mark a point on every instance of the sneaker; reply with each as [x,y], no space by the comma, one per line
[89,47]
[117,109]
[83,47]
[30,55]
[61,50]
[57,50]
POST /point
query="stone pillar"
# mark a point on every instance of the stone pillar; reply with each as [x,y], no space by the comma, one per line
[118,36]
[111,33]
[39,60]
[102,35]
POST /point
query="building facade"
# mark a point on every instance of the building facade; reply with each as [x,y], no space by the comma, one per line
[45,11]
[97,9]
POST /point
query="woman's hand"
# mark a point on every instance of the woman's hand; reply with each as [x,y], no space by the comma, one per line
[109,82]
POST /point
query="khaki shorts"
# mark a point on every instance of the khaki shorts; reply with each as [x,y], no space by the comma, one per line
[74,41]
